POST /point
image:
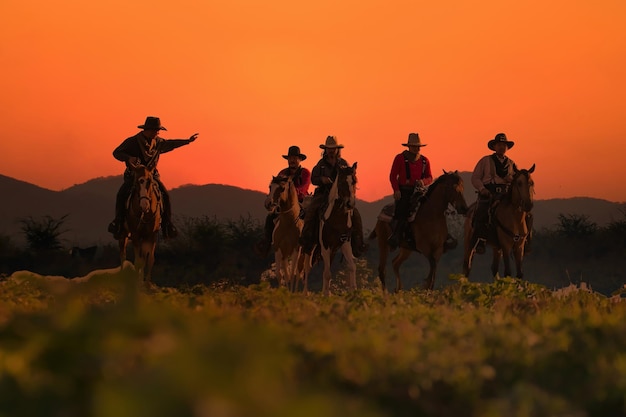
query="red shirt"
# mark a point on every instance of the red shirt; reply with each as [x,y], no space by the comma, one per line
[419,170]
[302,182]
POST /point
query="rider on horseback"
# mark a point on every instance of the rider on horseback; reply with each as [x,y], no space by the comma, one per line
[301,178]
[491,178]
[144,149]
[323,175]
[409,176]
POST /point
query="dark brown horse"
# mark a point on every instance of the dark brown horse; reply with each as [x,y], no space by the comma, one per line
[142,222]
[336,228]
[283,199]
[429,229]
[509,230]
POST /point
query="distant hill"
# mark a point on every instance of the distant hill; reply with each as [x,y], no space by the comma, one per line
[91,206]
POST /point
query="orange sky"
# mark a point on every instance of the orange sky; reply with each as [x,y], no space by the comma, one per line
[254,77]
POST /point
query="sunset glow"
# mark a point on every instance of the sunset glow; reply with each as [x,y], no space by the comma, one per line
[254,77]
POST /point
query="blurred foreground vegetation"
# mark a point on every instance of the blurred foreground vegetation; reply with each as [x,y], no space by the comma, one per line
[99,346]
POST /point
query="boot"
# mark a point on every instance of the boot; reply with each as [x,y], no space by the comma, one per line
[116,226]
[397,232]
[264,245]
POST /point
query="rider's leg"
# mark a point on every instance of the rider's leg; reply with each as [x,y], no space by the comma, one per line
[358,244]
[481,221]
[265,244]
[307,237]
[168,228]
[117,224]
[400,215]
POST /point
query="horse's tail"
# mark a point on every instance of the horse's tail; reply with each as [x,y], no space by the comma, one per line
[372,235]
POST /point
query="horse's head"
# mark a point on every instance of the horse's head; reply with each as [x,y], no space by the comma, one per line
[454,191]
[522,188]
[346,186]
[146,186]
[282,192]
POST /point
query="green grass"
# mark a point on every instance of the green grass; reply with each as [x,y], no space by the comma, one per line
[99,346]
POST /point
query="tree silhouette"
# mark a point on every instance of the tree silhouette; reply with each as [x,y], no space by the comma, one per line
[43,234]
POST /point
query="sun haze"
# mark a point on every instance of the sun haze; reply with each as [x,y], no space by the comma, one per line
[254,77]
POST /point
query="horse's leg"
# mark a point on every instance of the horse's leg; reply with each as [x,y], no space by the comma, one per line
[139,260]
[396,262]
[326,275]
[278,269]
[468,254]
[291,270]
[495,262]
[346,250]
[430,280]
[518,253]
[304,265]
[383,252]
[122,246]
[506,257]
[149,249]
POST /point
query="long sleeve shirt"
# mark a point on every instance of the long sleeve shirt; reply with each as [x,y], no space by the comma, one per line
[419,169]
[148,152]
[324,169]
[485,171]
[301,179]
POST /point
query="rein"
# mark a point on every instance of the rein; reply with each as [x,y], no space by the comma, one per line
[516,237]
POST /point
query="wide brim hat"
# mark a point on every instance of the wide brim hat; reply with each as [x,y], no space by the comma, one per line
[152,123]
[331,143]
[414,140]
[295,151]
[500,138]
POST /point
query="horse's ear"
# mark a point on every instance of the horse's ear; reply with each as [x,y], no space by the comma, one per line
[444,171]
[532,169]
[354,166]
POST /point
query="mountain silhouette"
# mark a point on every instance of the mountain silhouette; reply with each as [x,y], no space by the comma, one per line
[90,207]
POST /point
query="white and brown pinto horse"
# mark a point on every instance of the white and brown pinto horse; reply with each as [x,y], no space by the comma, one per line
[336,228]
[429,229]
[509,230]
[283,200]
[142,222]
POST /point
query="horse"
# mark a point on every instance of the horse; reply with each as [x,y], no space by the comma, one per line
[142,222]
[283,199]
[335,229]
[429,229]
[508,231]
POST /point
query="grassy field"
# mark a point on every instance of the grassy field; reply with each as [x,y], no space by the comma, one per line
[98,346]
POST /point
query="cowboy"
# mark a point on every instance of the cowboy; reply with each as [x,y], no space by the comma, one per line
[145,148]
[491,178]
[301,178]
[322,176]
[409,176]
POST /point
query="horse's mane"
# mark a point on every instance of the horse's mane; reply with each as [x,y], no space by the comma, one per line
[438,181]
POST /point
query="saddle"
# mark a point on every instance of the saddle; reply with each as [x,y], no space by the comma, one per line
[387,212]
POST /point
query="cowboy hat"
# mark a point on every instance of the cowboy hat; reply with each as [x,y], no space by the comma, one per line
[331,143]
[152,123]
[414,140]
[500,138]
[295,151]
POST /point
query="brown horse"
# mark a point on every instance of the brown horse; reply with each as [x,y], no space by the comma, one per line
[283,199]
[142,222]
[336,228]
[509,230]
[429,229]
